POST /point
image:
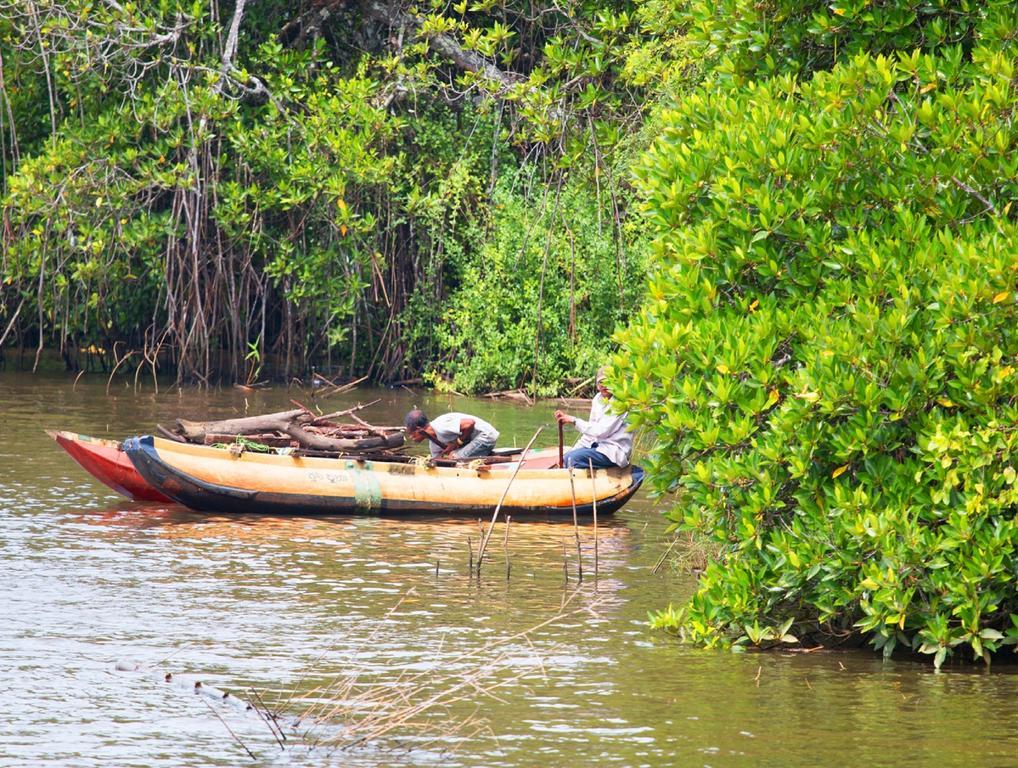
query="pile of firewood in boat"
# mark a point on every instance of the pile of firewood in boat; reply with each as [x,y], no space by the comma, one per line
[300,429]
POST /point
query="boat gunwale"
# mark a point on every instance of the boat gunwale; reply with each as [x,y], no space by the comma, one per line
[379,465]
[80,437]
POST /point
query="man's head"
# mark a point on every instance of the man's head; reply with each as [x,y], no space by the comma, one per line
[415,423]
[599,382]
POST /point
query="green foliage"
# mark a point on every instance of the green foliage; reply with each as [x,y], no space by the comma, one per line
[92,206]
[96,285]
[319,195]
[538,303]
[829,350]
[747,39]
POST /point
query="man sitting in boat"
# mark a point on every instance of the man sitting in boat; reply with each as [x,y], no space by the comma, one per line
[605,439]
[452,435]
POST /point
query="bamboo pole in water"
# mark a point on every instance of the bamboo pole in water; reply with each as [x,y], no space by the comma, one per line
[576,530]
[505,547]
[494,517]
[593,493]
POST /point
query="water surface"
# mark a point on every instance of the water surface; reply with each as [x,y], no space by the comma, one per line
[102,597]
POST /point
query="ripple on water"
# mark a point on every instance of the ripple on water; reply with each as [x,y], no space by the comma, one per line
[302,608]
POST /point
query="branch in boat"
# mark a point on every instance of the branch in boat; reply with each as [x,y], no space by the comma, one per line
[371,428]
[196,431]
[318,442]
[336,414]
[168,434]
[272,440]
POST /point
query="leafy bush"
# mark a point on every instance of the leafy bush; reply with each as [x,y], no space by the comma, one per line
[538,301]
[828,350]
[229,189]
[747,38]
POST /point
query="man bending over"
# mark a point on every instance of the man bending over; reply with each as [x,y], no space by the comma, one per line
[452,435]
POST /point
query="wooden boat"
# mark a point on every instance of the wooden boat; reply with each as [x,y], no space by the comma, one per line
[106,461]
[220,480]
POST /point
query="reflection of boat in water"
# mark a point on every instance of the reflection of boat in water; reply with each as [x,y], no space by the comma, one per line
[214,479]
[106,461]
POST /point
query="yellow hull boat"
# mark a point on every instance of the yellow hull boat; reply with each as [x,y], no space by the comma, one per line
[220,480]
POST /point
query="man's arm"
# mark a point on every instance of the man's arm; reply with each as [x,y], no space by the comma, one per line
[466,432]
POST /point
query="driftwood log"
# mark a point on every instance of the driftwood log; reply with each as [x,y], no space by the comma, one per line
[318,442]
[195,431]
[298,425]
[512,394]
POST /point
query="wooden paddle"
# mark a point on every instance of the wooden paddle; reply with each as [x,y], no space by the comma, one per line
[561,443]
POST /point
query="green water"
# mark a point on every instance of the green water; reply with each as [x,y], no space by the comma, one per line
[102,597]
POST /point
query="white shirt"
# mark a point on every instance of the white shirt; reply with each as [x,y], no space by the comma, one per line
[608,430]
[447,429]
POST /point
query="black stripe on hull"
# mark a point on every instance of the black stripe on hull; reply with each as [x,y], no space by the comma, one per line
[209,497]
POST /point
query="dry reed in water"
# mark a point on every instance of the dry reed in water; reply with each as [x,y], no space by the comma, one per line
[350,712]
[229,729]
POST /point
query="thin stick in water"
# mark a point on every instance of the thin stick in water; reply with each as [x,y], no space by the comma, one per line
[505,547]
[494,517]
[593,493]
[266,717]
[229,730]
[576,528]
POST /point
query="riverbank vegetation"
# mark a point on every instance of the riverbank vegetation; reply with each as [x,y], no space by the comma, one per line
[232,190]
[828,350]
[798,216]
